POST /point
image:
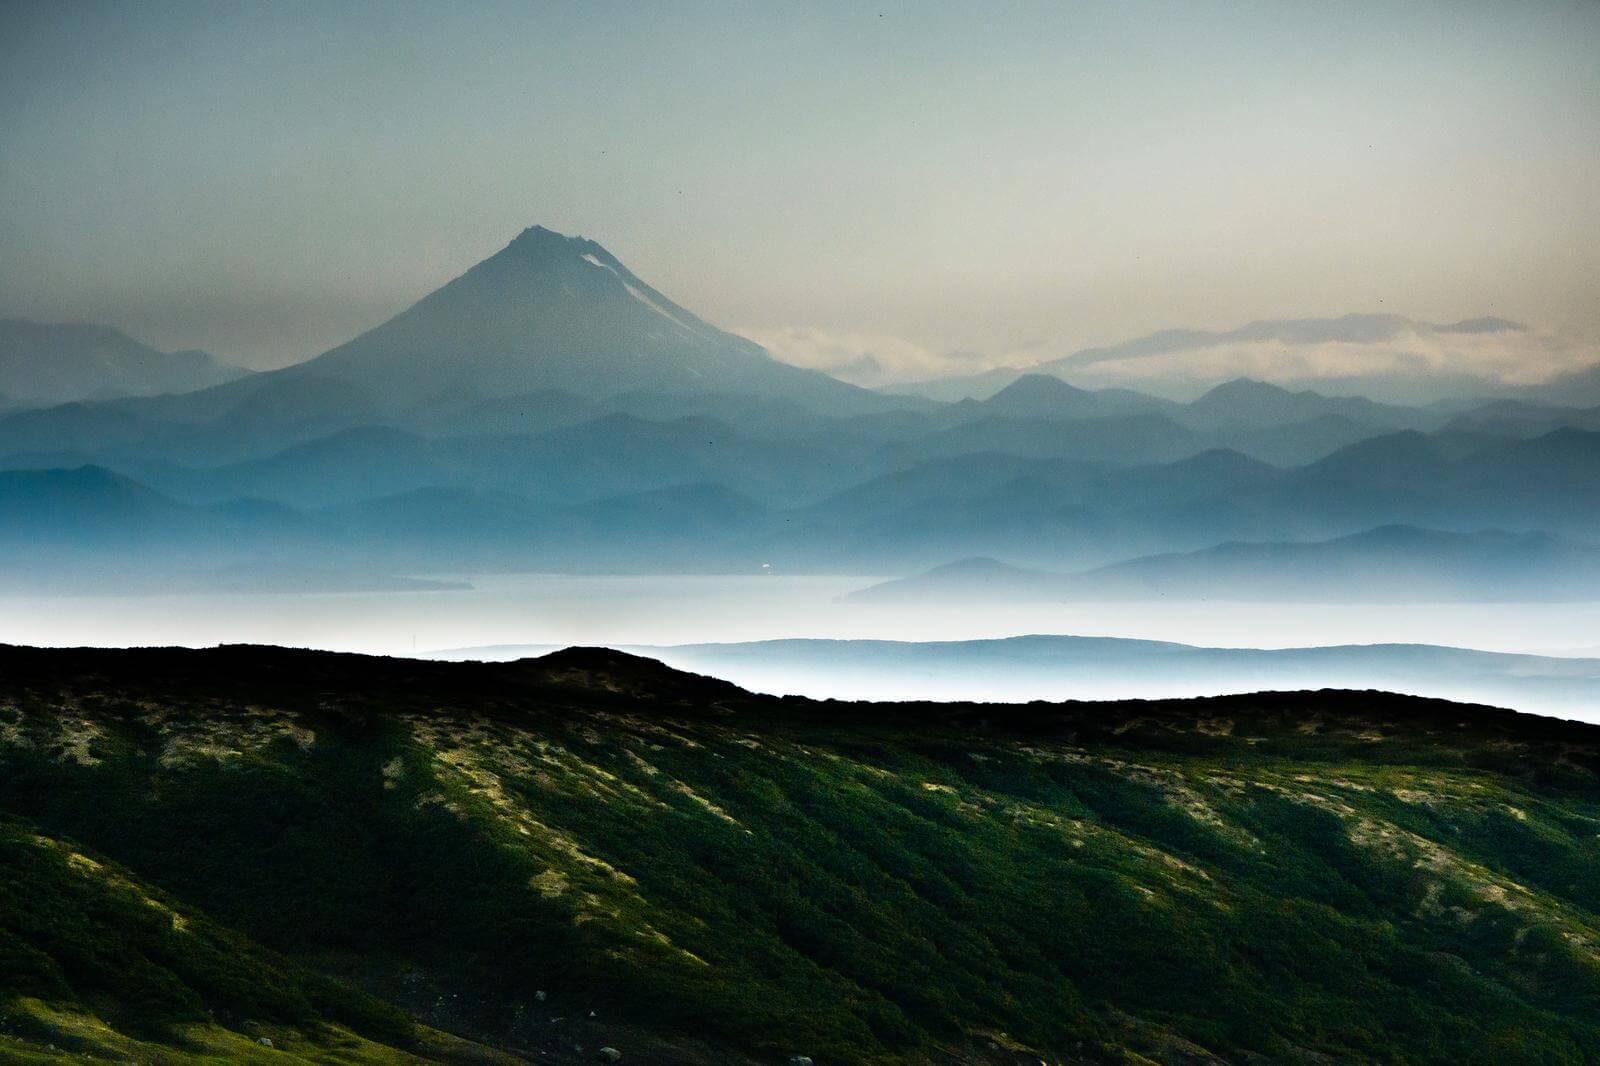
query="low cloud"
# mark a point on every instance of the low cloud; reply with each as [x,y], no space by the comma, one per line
[1383,355]
[1492,350]
[859,358]
[873,359]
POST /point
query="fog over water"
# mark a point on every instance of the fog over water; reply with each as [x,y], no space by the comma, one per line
[560,610]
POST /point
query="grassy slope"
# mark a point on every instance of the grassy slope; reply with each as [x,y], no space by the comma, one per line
[714,874]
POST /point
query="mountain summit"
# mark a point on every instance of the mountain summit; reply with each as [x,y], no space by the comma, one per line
[555,312]
[1034,395]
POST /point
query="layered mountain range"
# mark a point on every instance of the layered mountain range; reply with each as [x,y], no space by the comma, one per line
[549,409]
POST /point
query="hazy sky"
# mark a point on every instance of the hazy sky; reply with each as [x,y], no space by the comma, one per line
[268,179]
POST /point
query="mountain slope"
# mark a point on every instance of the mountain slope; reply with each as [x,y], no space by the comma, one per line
[667,858]
[97,962]
[43,365]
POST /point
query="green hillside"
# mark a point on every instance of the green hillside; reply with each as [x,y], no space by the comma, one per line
[354,857]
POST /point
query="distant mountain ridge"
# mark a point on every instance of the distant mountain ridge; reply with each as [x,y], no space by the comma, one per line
[43,364]
[619,490]
[549,408]
[1248,401]
[1388,564]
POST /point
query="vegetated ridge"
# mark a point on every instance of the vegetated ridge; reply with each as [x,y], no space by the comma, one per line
[361,858]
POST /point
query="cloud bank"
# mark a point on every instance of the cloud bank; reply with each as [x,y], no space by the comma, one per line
[1388,356]
[868,359]
[1383,354]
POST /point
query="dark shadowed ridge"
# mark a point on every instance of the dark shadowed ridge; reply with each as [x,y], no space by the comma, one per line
[602,675]
[593,671]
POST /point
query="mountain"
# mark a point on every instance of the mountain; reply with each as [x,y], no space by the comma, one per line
[586,460]
[979,579]
[1580,387]
[836,496]
[956,387]
[244,419]
[591,422]
[1245,402]
[57,512]
[1254,417]
[1520,418]
[1042,512]
[547,317]
[1392,563]
[1457,481]
[986,499]
[1208,475]
[42,365]
[1260,419]
[556,312]
[69,530]
[344,467]
[1118,439]
[696,513]
[531,861]
[88,530]
[1398,564]
[1040,395]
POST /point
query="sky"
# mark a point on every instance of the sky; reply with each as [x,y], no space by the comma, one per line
[940,186]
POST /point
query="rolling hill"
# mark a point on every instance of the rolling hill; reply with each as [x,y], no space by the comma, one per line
[365,859]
